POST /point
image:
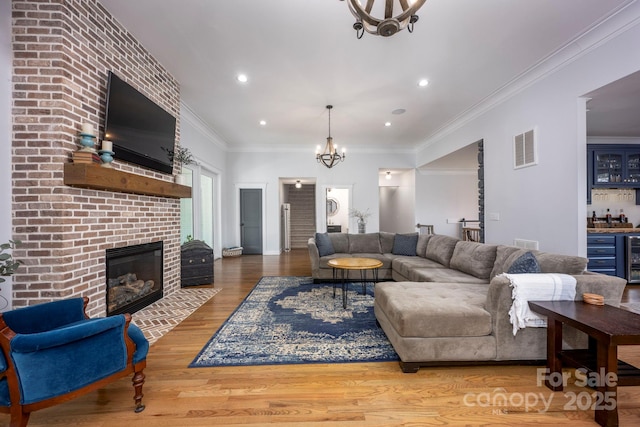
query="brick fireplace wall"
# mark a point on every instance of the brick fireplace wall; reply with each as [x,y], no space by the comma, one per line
[62,51]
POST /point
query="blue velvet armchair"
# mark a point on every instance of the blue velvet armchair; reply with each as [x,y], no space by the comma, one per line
[53,352]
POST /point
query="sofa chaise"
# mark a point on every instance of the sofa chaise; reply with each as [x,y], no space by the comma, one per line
[450,299]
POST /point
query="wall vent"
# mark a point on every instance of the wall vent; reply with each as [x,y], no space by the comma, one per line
[524,150]
[530,245]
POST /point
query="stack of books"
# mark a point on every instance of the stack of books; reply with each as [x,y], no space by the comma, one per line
[86,157]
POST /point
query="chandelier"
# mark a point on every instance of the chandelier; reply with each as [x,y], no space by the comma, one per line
[329,157]
[390,24]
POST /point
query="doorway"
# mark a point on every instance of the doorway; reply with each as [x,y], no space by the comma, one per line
[251,220]
[336,215]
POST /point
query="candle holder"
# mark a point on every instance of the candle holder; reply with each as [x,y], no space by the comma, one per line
[87,142]
[107,158]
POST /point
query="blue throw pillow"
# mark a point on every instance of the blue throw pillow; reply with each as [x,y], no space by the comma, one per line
[323,242]
[526,263]
[405,244]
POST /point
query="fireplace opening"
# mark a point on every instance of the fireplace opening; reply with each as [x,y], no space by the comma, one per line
[134,277]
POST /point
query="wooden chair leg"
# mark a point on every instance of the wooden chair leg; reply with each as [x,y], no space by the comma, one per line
[138,381]
[19,418]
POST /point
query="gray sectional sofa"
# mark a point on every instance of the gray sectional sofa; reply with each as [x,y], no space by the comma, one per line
[449,303]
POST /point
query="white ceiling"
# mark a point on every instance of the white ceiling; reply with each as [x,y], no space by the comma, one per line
[301,55]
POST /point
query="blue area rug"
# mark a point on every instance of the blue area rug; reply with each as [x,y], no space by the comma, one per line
[291,320]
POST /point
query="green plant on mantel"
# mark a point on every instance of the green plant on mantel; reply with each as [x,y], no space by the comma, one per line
[8,265]
[181,155]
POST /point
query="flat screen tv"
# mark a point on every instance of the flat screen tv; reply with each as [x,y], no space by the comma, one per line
[141,131]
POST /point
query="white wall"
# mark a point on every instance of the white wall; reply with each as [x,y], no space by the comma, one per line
[358,172]
[210,153]
[398,202]
[446,195]
[5,139]
[5,119]
[546,202]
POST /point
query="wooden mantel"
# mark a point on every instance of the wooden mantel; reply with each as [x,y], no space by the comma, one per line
[84,175]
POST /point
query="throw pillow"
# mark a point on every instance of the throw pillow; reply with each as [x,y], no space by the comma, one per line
[526,263]
[323,242]
[405,244]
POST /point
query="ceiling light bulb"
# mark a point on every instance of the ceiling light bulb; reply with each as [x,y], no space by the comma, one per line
[298,184]
[388,175]
[242,78]
[263,122]
[387,124]
[423,82]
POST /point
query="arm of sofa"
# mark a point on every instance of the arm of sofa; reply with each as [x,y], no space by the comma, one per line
[529,343]
[314,256]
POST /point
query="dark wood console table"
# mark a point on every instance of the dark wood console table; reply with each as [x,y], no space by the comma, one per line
[607,327]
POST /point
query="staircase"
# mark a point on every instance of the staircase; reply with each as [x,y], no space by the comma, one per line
[303,214]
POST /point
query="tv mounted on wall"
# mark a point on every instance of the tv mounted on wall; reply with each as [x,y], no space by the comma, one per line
[141,131]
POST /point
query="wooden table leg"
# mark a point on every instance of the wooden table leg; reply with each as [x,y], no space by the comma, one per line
[553,379]
[606,411]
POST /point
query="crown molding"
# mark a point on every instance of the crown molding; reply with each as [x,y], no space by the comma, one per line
[189,116]
[624,17]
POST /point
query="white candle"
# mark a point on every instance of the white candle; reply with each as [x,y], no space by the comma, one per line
[87,129]
[107,145]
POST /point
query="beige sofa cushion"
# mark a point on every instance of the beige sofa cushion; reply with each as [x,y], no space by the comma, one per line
[340,242]
[442,275]
[549,263]
[386,242]
[427,310]
[421,247]
[474,258]
[364,243]
[440,248]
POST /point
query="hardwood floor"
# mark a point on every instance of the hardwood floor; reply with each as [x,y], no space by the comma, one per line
[352,394]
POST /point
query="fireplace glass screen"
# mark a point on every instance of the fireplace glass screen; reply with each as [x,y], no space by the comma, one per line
[134,277]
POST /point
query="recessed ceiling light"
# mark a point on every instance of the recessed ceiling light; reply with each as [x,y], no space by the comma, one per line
[387,124]
[242,78]
[263,122]
[423,82]
[398,111]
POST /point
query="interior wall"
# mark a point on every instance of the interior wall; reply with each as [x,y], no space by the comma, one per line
[546,202]
[6,229]
[359,171]
[397,202]
[210,152]
[5,118]
[446,197]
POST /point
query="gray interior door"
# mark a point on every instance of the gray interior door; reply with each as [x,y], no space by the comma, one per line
[251,220]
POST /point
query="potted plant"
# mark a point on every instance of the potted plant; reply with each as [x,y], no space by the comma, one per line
[183,157]
[8,265]
[361,217]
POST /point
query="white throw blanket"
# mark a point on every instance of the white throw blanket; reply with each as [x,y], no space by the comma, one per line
[537,287]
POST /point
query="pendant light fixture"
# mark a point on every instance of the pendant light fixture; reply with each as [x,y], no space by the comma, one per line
[329,157]
[390,24]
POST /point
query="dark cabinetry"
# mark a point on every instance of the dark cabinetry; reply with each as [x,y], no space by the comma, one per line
[196,262]
[615,254]
[604,252]
[613,166]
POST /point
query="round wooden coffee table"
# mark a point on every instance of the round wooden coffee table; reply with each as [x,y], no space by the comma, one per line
[346,264]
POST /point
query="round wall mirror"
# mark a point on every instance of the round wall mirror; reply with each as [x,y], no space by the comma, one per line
[332,207]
